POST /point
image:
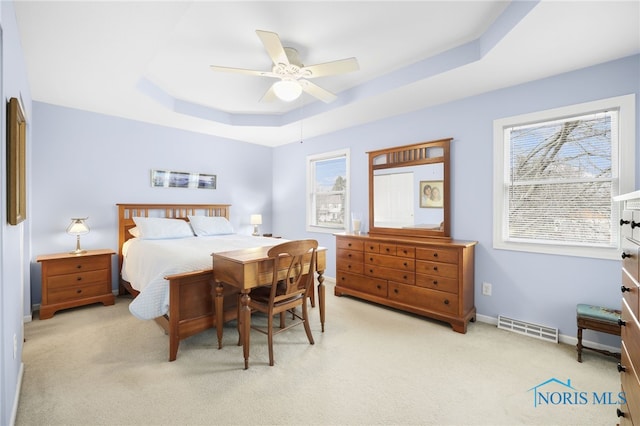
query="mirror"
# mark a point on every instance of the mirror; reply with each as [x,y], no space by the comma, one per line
[409,190]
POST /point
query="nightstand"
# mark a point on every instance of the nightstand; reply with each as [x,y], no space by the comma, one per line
[70,280]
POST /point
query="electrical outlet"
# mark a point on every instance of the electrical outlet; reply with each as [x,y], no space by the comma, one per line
[486,289]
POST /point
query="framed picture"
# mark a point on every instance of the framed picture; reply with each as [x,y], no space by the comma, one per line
[16,164]
[431,194]
[170,179]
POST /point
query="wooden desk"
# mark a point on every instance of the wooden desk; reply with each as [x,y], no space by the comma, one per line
[247,269]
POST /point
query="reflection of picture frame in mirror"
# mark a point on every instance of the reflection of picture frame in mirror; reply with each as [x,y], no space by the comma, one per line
[431,193]
[16,163]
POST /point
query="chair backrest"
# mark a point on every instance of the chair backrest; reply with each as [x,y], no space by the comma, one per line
[289,260]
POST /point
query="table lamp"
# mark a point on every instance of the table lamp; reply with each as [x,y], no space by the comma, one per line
[77,228]
[256,219]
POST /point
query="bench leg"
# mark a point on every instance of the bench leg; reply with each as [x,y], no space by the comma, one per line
[579,345]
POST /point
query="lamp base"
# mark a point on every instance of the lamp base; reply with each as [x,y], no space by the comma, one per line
[255,231]
[78,251]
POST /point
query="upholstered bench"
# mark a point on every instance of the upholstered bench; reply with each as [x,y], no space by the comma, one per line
[600,319]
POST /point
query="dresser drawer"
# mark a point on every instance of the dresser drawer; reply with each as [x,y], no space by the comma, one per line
[350,261]
[437,254]
[349,243]
[423,297]
[372,247]
[361,283]
[65,294]
[630,260]
[79,279]
[450,285]
[77,264]
[447,270]
[402,263]
[630,386]
[630,294]
[407,277]
[630,333]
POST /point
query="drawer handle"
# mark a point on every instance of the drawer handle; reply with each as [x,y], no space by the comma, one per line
[79,279]
[404,251]
[619,413]
[623,222]
[342,278]
[349,244]
[405,277]
[349,267]
[349,255]
[79,291]
[623,289]
[370,247]
[446,301]
[435,254]
[371,259]
[378,286]
[371,271]
[621,368]
[622,323]
[435,268]
[405,264]
[625,255]
[435,282]
[79,266]
[395,290]
[388,249]
[634,224]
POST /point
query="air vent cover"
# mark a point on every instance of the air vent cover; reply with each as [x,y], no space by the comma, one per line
[542,332]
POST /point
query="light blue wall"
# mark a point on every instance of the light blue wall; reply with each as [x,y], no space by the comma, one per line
[539,288]
[85,163]
[15,248]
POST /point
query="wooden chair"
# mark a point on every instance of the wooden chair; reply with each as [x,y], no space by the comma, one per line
[597,318]
[290,288]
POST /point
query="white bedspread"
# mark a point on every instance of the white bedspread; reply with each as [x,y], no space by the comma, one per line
[147,262]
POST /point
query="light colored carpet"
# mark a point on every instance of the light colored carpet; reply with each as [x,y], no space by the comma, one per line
[99,365]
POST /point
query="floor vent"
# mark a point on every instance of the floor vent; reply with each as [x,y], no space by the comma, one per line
[529,329]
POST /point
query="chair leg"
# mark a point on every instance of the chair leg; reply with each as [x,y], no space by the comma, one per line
[270,338]
[282,319]
[238,321]
[305,319]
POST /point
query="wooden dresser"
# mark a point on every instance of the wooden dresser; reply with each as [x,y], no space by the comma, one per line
[70,280]
[629,366]
[426,277]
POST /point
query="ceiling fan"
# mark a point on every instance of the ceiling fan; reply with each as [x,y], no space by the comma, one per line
[292,74]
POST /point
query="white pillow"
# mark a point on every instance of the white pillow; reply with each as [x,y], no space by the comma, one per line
[156,228]
[135,232]
[210,225]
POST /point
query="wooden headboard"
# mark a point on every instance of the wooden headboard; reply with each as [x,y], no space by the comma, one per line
[126,213]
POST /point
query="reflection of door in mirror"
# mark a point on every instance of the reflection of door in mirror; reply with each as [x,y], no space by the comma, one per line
[393,200]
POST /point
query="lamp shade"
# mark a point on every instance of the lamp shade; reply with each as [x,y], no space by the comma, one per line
[287,90]
[256,219]
[78,226]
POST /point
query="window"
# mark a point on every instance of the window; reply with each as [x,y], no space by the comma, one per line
[556,173]
[327,192]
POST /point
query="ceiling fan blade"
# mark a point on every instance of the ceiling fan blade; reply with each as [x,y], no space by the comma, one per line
[273,45]
[269,96]
[245,71]
[317,91]
[331,68]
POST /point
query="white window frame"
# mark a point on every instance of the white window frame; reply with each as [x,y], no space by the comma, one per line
[623,184]
[311,159]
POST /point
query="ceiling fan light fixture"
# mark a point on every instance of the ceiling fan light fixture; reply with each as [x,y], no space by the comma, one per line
[287,90]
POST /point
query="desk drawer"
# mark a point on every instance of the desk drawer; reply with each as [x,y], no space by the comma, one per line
[630,295]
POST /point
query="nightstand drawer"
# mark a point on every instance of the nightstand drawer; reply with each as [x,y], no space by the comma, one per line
[77,264]
[80,279]
[66,294]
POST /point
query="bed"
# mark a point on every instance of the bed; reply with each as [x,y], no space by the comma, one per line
[168,285]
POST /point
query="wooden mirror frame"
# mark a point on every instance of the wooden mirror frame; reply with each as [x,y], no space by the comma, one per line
[16,163]
[411,156]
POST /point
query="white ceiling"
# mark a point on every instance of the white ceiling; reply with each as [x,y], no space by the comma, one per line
[149,60]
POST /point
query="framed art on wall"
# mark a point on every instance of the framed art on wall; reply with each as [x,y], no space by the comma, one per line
[170,179]
[16,163]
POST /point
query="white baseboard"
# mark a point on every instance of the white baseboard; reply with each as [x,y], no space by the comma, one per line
[16,399]
[562,338]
